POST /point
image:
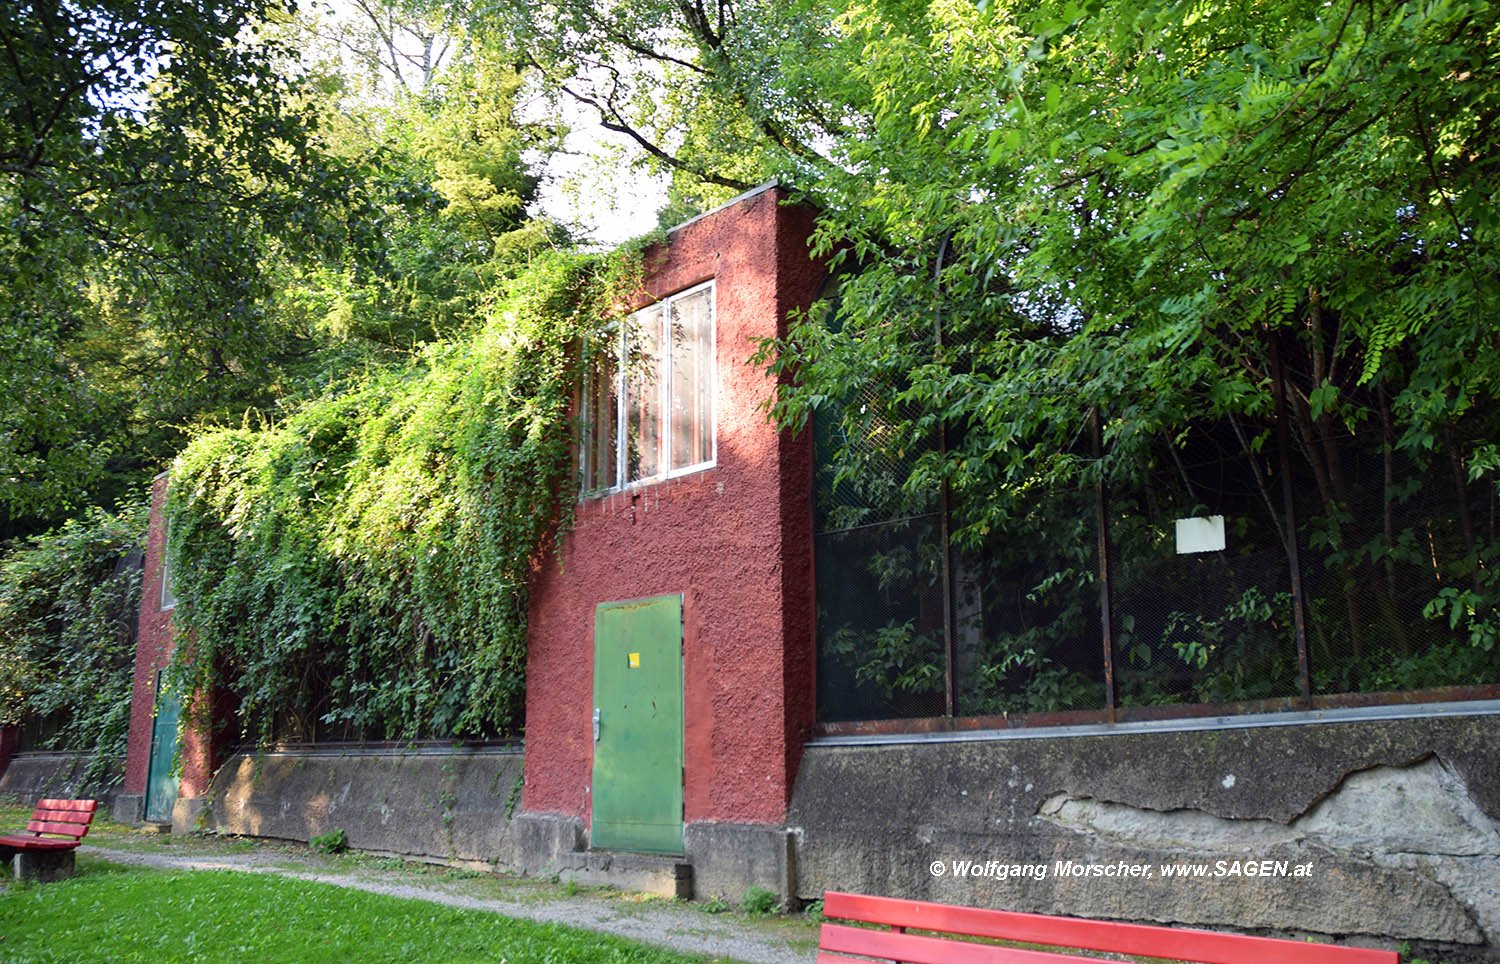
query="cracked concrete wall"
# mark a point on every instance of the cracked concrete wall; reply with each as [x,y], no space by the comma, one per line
[1417,817]
[1397,824]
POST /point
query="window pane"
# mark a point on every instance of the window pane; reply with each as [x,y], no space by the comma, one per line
[600,446]
[692,379]
[643,436]
[168,597]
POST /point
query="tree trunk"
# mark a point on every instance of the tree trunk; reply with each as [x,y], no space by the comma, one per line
[1322,455]
[1387,599]
[1461,491]
[1387,514]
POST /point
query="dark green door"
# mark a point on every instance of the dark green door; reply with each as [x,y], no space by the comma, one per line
[161,782]
[638,725]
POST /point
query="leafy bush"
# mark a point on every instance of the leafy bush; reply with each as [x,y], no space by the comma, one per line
[758,902]
[69,603]
[332,842]
[714,905]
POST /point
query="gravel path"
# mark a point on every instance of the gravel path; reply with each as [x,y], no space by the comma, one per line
[679,927]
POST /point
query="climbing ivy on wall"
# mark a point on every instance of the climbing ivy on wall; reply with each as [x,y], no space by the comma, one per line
[359,567]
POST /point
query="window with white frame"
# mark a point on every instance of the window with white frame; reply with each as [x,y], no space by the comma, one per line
[168,597]
[648,408]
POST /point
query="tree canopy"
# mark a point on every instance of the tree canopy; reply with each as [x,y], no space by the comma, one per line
[152,156]
[1178,226]
[1164,222]
[219,217]
[211,210]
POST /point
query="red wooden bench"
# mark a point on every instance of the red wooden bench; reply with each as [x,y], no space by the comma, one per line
[56,828]
[1064,933]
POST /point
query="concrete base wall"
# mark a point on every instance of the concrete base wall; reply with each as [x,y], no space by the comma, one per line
[730,858]
[453,805]
[449,804]
[542,842]
[128,808]
[1394,826]
[726,859]
[33,775]
[190,814]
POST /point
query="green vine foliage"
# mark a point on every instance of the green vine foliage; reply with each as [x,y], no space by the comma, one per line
[359,569]
[69,601]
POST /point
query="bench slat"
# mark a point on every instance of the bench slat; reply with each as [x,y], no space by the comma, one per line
[85,806]
[66,829]
[37,843]
[1173,943]
[916,949]
[62,816]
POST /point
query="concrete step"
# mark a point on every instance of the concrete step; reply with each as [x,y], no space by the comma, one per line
[648,873]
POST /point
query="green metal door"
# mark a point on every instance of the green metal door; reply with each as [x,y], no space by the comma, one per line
[638,725]
[161,782]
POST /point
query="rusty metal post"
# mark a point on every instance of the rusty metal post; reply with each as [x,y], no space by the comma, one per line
[1106,597]
[950,635]
[1288,494]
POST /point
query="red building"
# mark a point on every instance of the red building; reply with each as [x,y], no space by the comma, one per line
[683,593]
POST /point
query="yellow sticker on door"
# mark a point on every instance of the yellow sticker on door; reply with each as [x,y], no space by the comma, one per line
[635,660]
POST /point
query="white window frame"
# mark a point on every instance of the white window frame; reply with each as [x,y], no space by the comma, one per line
[664,342]
[168,597]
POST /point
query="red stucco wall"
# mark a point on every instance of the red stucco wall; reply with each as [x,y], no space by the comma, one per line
[735,540]
[153,650]
[799,279]
[153,647]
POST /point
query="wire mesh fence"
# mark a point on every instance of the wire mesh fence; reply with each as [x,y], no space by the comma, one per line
[1203,608]
[1398,551]
[1228,571]
[881,648]
[1027,617]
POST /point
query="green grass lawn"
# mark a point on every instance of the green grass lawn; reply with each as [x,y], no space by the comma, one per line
[114,913]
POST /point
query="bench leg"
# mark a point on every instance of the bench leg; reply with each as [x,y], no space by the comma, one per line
[43,865]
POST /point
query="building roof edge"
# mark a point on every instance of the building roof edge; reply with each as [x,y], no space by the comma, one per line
[758,189]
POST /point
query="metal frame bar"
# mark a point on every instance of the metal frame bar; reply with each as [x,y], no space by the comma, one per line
[978,730]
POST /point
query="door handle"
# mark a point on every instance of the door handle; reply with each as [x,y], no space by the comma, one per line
[596,724]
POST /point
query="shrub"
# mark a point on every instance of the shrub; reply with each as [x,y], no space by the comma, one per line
[69,604]
[759,902]
[332,842]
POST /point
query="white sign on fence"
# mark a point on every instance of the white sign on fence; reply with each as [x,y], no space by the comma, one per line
[1201,534]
